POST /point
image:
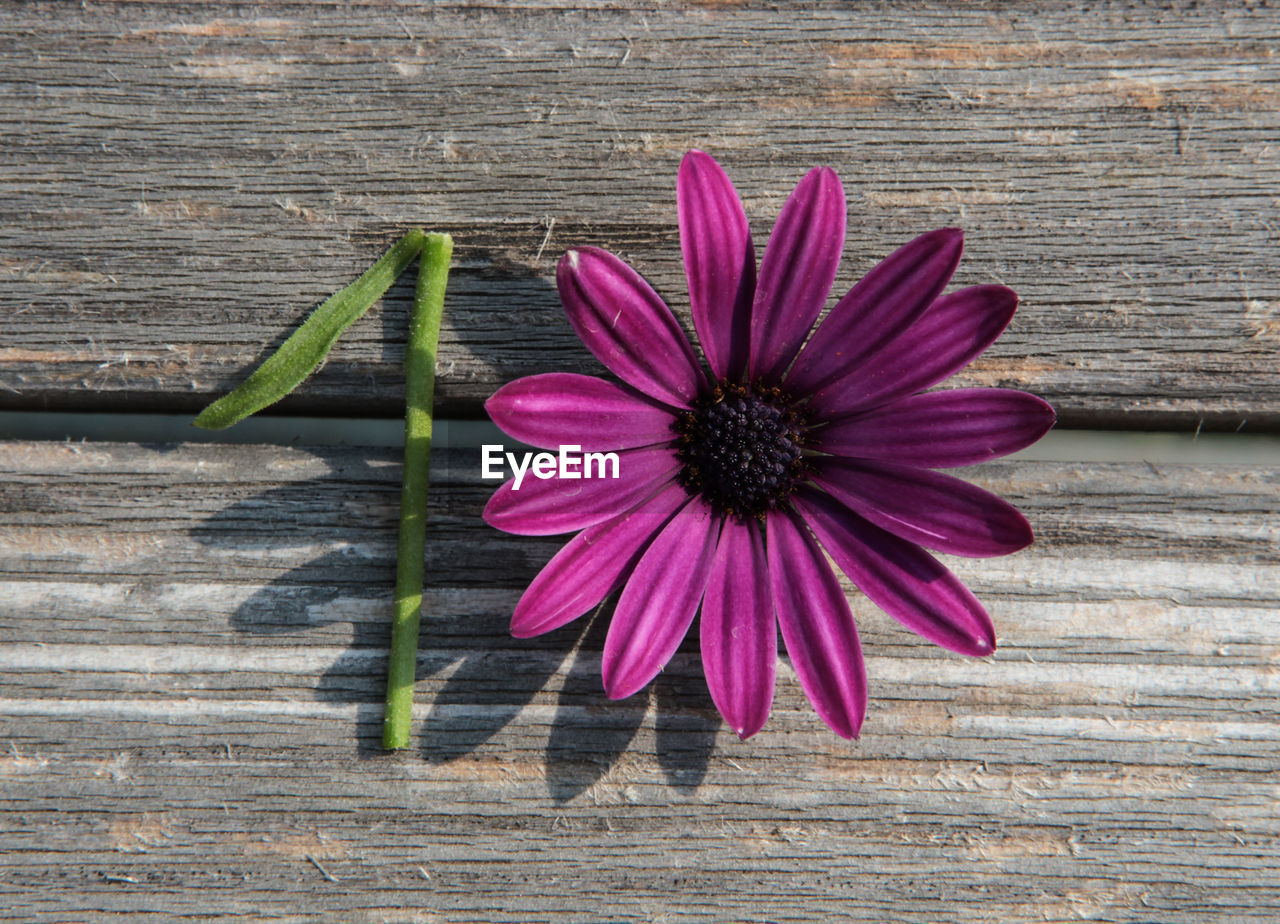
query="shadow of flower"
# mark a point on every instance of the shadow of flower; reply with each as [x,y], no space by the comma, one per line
[687,723]
[486,691]
[589,731]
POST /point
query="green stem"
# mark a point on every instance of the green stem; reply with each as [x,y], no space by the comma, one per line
[420,380]
[310,343]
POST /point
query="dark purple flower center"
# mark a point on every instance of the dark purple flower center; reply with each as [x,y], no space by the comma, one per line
[741,447]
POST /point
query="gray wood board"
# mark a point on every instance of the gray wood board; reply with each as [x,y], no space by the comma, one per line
[181,184]
[194,648]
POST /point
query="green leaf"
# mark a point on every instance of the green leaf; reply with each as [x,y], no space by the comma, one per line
[307,347]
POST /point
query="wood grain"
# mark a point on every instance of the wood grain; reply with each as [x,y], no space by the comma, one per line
[181,183]
[194,644]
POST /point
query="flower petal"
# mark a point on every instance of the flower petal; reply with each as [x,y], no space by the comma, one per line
[592,565]
[719,260]
[902,579]
[817,626]
[798,269]
[738,629]
[930,508]
[941,429]
[544,507]
[882,305]
[952,333]
[627,326]
[659,602]
[563,409]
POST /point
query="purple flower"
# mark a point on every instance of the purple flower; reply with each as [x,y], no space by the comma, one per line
[733,482]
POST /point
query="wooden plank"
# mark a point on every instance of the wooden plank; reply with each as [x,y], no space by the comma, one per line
[183,183]
[193,649]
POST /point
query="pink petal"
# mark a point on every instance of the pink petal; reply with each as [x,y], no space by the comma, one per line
[738,629]
[627,326]
[544,507]
[719,260]
[592,565]
[930,508]
[817,626]
[951,334]
[941,429]
[798,269]
[563,409]
[881,306]
[659,602]
[902,579]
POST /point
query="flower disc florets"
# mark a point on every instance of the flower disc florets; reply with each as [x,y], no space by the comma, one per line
[741,449]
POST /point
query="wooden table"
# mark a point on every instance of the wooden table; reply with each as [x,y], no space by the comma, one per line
[193,636]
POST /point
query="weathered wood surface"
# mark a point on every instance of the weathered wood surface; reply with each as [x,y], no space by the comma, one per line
[193,648]
[181,183]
